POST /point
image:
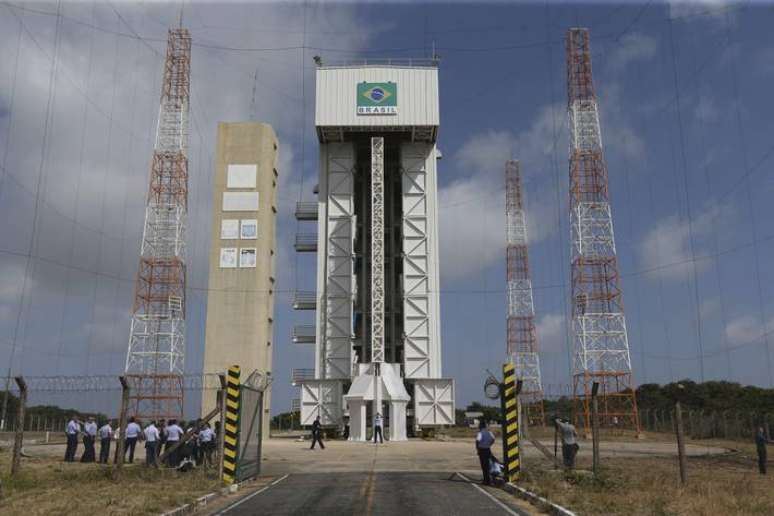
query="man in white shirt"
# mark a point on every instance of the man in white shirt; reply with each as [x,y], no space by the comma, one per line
[89,436]
[484,441]
[105,434]
[378,422]
[569,442]
[151,442]
[133,432]
[207,443]
[71,430]
[174,432]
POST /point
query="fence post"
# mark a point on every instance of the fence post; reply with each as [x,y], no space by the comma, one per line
[19,435]
[222,429]
[595,427]
[680,442]
[119,458]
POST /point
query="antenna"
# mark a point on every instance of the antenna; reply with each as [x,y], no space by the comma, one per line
[253,114]
[182,6]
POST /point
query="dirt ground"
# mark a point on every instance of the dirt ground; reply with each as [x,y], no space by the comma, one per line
[727,484]
[46,486]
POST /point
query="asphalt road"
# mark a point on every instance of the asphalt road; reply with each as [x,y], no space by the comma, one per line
[382,494]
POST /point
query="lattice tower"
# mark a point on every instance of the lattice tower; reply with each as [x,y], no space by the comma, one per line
[522,340]
[601,347]
[377,249]
[154,361]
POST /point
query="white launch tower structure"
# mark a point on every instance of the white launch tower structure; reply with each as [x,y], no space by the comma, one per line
[377,333]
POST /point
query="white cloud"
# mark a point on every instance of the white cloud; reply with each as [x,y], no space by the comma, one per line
[551,332]
[666,248]
[472,209]
[632,48]
[746,329]
[709,10]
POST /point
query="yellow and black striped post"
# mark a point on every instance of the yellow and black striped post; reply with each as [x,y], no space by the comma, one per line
[231,426]
[510,404]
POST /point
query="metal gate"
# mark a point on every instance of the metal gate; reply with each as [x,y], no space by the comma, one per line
[250,432]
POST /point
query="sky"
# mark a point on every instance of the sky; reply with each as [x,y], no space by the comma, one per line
[685,106]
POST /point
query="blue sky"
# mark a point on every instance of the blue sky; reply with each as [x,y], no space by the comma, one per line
[684,93]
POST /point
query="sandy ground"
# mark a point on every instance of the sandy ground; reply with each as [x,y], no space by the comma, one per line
[281,456]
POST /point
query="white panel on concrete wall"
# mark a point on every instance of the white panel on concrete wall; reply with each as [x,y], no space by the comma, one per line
[249,229]
[247,257]
[229,229]
[240,201]
[434,402]
[241,176]
[228,257]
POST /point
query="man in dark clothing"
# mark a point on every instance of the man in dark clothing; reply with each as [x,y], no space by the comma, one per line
[317,434]
[484,441]
[761,441]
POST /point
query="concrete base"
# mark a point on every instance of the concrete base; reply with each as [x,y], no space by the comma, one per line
[357,420]
[398,421]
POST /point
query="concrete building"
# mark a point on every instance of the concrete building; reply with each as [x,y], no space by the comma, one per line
[377,334]
[240,299]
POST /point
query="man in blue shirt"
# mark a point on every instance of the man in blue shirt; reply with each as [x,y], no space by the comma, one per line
[484,441]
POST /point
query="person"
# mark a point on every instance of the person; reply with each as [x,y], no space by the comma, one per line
[569,443]
[89,437]
[71,430]
[133,432]
[317,433]
[378,422]
[484,441]
[173,437]
[196,450]
[346,427]
[761,440]
[105,434]
[206,443]
[495,468]
[151,442]
[162,427]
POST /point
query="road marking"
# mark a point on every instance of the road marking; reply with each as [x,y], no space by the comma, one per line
[243,500]
[490,496]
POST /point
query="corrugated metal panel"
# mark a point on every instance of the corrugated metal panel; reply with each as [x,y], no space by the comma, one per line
[337,91]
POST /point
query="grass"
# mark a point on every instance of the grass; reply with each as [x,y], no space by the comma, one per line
[726,484]
[49,486]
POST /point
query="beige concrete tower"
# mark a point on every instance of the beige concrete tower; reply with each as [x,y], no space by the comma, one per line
[240,301]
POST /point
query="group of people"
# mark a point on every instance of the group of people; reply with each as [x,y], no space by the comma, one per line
[162,438]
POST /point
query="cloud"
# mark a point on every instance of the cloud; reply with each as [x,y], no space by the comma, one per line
[714,11]
[632,48]
[746,329]
[665,250]
[472,209]
[709,307]
[551,333]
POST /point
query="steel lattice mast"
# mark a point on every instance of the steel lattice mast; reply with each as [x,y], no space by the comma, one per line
[154,361]
[522,339]
[601,347]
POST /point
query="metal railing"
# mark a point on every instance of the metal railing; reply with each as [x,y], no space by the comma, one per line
[303,334]
[301,375]
[383,61]
[304,300]
[306,243]
[306,211]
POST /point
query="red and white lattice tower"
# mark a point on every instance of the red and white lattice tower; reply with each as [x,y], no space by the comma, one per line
[522,340]
[154,361]
[601,347]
